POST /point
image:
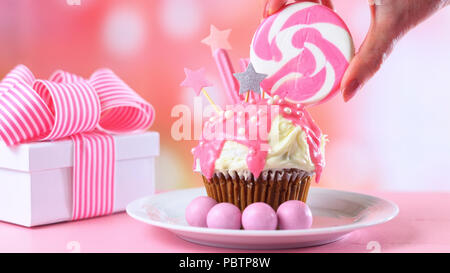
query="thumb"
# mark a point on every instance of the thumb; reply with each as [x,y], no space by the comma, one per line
[376,47]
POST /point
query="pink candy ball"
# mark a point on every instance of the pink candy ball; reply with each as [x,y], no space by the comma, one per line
[198,209]
[294,214]
[259,216]
[225,216]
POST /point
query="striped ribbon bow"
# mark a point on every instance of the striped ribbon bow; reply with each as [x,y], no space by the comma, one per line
[87,111]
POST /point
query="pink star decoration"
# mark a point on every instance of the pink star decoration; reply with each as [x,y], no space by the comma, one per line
[217,39]
[195,80]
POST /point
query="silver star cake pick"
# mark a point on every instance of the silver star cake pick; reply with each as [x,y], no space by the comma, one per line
[250,80]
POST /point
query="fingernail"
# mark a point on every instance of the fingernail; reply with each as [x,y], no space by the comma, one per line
[350,90]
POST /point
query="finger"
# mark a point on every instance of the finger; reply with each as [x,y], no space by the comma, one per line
[327,3]
[272,6]
[374,50]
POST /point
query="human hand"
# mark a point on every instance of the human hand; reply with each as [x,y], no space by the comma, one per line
[390,20]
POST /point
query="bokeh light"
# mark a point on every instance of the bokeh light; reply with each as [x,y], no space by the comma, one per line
[123,31]
[181,18]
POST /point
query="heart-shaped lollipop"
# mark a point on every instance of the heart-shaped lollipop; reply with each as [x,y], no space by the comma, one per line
[304,49]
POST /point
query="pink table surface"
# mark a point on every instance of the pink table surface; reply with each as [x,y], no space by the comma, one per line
[423,225]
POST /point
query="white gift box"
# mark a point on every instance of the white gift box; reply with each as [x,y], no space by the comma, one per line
[36,178]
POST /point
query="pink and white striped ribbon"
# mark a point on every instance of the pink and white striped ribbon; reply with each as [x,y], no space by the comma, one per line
[18,74]
[67,105]
[122,109]
[94,159]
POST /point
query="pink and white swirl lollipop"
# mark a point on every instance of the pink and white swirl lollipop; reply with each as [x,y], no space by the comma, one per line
[304,49]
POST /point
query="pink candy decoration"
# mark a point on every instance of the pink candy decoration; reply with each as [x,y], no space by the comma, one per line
[305,50]
[196,80]
[224,216]
[259,216]
[197,211]
[294,214]
[204,211]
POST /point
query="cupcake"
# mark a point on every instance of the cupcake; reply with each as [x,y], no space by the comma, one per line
[268,151]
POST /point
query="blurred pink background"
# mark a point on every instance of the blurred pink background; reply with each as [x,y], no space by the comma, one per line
[395,135]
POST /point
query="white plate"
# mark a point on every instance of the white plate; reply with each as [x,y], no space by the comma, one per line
[335,214]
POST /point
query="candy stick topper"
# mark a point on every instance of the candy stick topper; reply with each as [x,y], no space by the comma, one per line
[250,80]
[226,72]
[196,80]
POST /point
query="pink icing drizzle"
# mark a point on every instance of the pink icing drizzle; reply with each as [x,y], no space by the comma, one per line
[209,150]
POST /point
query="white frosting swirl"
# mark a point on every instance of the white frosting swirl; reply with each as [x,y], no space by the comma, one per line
[288,149]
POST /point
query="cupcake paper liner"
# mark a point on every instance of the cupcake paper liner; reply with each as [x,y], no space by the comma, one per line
[272,187]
